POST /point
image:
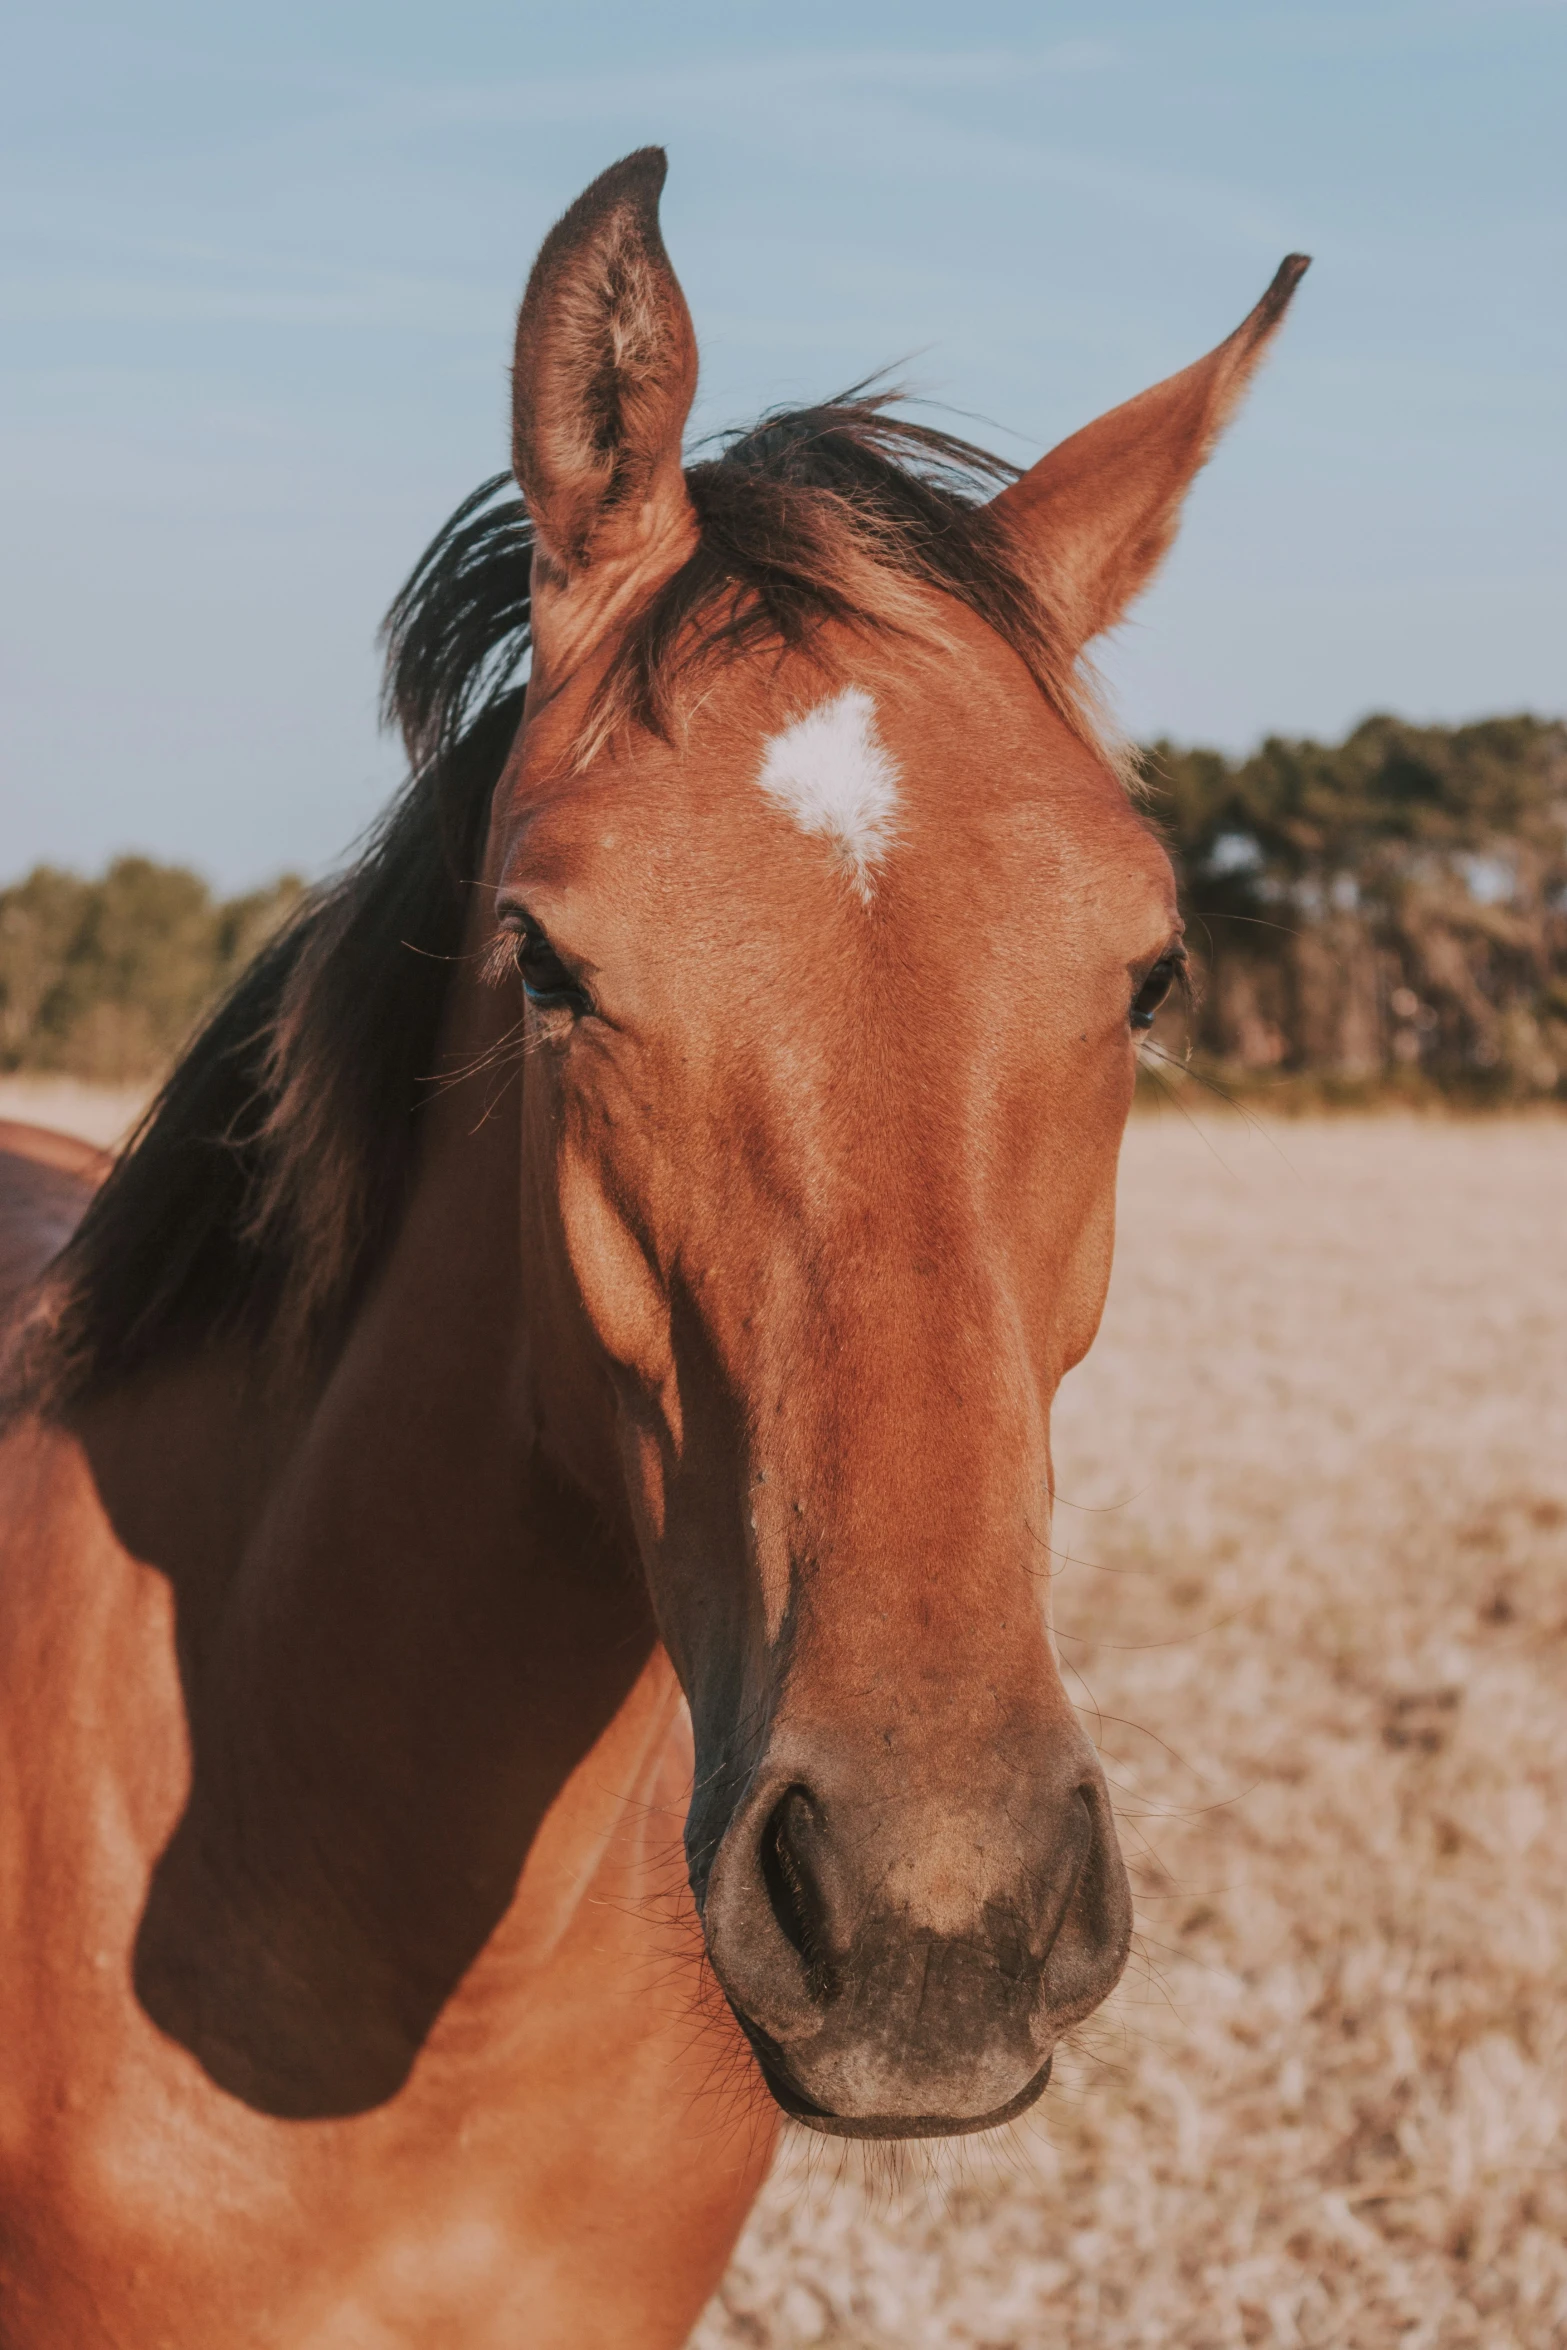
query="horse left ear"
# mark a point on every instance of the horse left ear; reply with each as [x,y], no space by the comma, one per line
[1095,517]
[604,377]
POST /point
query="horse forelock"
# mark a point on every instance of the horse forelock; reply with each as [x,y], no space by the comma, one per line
[269,1175]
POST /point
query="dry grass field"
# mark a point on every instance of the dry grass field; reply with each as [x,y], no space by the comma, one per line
[1312,1589]
[103,1114]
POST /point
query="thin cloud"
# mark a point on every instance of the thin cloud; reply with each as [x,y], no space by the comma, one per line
[427,306]
[581,98]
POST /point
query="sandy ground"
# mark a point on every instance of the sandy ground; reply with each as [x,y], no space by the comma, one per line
[1312,1586]
[103,1114]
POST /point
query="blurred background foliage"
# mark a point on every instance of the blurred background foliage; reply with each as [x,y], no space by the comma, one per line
[104,980]
[1388,914]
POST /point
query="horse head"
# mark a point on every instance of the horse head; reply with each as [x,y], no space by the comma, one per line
[837,924]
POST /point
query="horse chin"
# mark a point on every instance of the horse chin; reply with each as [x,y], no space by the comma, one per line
[895,2125]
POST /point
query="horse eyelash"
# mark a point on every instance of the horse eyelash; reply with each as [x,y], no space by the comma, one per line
[498,962]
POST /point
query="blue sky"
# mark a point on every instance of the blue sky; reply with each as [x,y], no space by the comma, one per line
[258,270]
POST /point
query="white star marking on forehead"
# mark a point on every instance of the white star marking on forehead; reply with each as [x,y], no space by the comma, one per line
[832,775]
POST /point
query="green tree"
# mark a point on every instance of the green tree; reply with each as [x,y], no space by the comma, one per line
[1392,905]
[105,979]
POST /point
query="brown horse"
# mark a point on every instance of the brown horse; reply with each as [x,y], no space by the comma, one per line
[573,1348]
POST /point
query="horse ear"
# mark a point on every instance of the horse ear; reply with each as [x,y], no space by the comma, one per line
[1095,517]
[604,375]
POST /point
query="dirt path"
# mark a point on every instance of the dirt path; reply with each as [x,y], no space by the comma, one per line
[1318,1461]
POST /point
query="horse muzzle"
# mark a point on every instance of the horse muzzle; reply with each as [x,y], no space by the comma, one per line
[904,1967]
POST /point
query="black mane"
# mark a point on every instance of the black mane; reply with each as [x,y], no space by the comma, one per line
[267,1178]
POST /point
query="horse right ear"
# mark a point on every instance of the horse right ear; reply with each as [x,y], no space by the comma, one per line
[604,377]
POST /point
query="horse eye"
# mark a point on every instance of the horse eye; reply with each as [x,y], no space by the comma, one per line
[545,978]
[1156,987]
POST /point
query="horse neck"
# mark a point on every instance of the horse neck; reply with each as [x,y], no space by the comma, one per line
[419,1630]
[423,1543]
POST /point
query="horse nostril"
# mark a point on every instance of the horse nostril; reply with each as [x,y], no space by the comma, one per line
[1086,1924]
[793,1890]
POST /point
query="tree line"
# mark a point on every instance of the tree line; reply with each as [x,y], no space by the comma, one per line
[1386,911]
[1391,909]
[105,979]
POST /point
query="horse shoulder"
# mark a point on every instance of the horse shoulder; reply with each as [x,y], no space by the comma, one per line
[92,1776]
[574,2059]
[93,1761]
